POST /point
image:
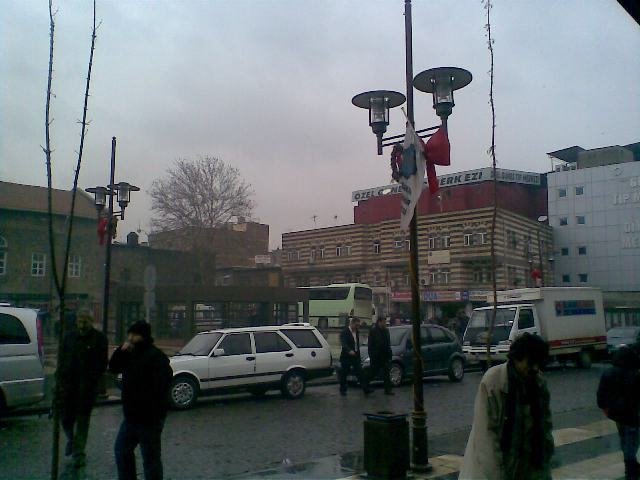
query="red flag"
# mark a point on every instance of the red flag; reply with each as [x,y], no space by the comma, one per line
[102,229]
[437,152]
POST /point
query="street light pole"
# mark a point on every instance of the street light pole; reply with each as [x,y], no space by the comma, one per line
[419,451]
[107,257]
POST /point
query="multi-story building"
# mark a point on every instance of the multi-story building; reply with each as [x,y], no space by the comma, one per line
[454,238]
[232,244]
[594,208]
[26,277]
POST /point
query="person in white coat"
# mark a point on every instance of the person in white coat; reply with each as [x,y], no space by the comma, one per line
[511,434]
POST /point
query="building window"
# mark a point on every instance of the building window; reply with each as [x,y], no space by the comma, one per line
[583,277]
[407,280]
[432,243]
[357,278]
[484,238]
[580,190]
[338,250]
[75,263]
[468,239]
[446,241]
[566,278]
[347,250]
[321,252]
[562,192]
[445,276]
[376,247]
[293,255]
[563,221]
[376,278]
[38,264]
[512,239]
[407,245]
[581,220]
[564,251]
[432,277]
[582,250]
[398,243]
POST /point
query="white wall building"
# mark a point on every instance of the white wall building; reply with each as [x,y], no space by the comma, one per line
[594,209]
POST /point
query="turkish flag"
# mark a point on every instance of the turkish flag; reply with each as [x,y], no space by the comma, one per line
[437,152]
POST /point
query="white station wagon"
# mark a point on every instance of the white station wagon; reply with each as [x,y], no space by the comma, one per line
[256,359]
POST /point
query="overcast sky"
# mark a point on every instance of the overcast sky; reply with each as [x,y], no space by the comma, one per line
[267,86]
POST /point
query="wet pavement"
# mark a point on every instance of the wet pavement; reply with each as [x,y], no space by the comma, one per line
[318,436]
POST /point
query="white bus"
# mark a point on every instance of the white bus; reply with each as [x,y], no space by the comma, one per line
[331,305]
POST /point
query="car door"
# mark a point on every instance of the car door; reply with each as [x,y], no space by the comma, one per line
[273,356]
[237,365]
[439,348]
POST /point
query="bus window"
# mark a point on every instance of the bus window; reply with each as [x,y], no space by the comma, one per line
[363,293]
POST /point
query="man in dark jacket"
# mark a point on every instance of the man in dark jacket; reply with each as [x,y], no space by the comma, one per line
[350,356]
[379,347]
[146,382]
[83,363]
[619,398]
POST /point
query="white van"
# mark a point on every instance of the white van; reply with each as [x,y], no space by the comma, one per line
[21,357]
[256,359]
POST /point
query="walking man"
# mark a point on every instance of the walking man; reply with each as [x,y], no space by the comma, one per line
[146,382]
[511,434]
[350,356]
[379,346]
[83,363]
[619,398]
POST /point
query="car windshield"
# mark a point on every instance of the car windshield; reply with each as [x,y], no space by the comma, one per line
[201,344]
[396,335]
[479,324]
[481,318]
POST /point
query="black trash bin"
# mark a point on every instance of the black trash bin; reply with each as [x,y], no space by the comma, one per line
[386,445]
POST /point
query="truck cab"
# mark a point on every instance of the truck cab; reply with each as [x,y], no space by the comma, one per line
[511,321]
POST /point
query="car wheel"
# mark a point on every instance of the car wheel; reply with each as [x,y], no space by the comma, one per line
[456,370]
[258,391]
[184,392]
[293,385]
[396,374]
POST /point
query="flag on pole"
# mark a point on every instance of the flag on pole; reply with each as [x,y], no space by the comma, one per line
[416,158]
[411,174]
[437,152]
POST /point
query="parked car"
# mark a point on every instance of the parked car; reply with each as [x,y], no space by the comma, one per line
[441,353]
[21,358]
[621,336]
[255,359]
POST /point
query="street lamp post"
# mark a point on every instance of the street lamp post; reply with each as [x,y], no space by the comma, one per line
[122,191]
[441,82]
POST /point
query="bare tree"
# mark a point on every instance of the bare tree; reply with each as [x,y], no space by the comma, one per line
[492,152]
[194,199]
[60,277]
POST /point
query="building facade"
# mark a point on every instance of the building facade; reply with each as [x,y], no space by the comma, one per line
[232,244]
[454,241]
[594,208]
[26,274]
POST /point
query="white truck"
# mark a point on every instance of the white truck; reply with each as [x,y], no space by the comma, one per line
[570,319]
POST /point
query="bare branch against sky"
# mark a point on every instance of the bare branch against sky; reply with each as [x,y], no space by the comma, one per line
[266,85]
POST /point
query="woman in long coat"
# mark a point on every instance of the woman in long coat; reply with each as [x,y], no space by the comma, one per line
[511,434]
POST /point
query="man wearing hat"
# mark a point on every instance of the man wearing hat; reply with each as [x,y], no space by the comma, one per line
[146,382]
[82,365]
